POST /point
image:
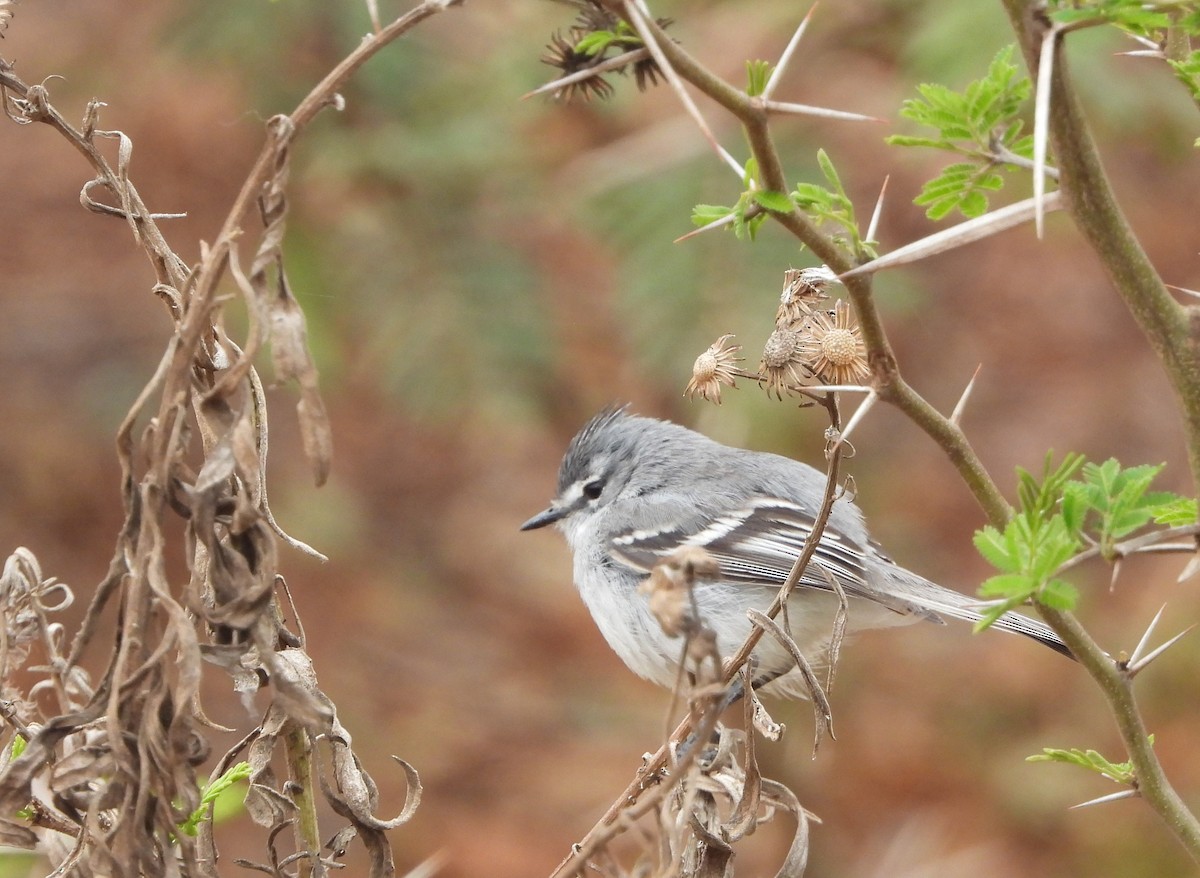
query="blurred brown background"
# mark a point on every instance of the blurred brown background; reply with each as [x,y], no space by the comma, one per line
[481,274]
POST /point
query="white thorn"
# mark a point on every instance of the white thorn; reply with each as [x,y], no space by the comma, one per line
[1134,669]
[809,110]
[1111,797]
[956,236]
[956,415]
[786,57]
[1145,41]
[1137,650]
[641,25]
[1190,570]
[373,12]
[715,224]
[1183,290]
[859,413]
[838,388]
[1041,122]
[873,226]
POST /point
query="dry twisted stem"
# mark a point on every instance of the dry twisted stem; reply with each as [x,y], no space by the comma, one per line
[120,757]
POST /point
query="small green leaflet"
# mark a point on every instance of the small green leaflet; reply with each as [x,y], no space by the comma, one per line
[212,796]
[757,74]
[1121,772]
[780,202]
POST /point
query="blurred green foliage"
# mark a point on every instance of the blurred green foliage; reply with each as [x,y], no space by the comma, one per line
[436,170]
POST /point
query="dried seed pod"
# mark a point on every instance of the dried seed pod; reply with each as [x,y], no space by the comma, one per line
[713,368]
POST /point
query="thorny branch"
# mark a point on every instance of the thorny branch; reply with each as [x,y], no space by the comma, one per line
[885,371]
[119,756]
[1088,198]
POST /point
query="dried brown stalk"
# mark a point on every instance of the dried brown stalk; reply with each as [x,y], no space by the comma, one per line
[119,757]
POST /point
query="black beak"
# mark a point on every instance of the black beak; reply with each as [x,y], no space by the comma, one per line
[551,515]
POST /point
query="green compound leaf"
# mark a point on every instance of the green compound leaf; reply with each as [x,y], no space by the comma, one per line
[1121,772]
[1059,515]
[970,123]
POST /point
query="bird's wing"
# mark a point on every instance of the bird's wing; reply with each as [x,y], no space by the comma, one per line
[758,544]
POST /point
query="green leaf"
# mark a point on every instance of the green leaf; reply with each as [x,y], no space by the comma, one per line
[1187,72]
[757,74]
[595,42]
[751,175]
[703,214]
[1059,594]
[990,616]
[1052,545]
[1008,586]
[1121,772]
[829,205]
[1036,541]
[830,173]
[1117,499]
[908,140]
[1074,507]
[973,204]
[212,793]
[992,546]
[1132,16]
[1176,512]
[986,112]
[780,202]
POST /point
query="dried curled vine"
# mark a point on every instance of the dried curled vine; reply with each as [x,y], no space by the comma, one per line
[103,774]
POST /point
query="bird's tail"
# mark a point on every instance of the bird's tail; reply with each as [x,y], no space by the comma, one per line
[946,602]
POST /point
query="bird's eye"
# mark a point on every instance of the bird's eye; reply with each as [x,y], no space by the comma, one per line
[593,489]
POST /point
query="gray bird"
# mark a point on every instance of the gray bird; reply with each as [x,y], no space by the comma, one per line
[633,490]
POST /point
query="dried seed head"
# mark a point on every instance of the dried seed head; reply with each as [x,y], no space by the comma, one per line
[780,349]
[713,368]
[669,588]
[839,346]
[832,346]
[802,288]
[561,53]
[781,356]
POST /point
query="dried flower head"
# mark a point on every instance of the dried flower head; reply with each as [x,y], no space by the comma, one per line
[6,14]
[780,359]
[802,288]
[669,588]
[593,16]
[832,346]
[598,39]
[561,53]
[713,368]
[646,72]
